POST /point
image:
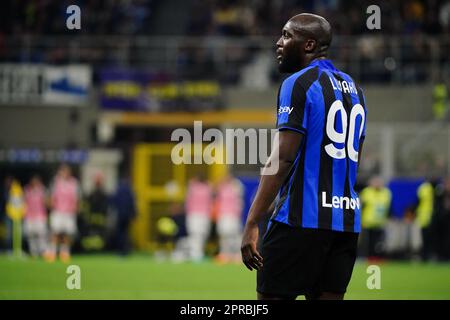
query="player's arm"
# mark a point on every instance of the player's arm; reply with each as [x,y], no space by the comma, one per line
[284,153]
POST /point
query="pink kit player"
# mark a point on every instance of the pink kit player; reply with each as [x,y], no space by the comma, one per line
[229,214]
[198,216]
[35,223]
[63,219]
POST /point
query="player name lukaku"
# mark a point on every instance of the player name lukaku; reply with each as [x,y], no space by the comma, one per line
[343,86]
[340,202]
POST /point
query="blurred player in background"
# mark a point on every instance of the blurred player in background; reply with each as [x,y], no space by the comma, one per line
[96,215]
[181,241]
[125,206]
[442,216]
[63,218]
[35,224]
[198,215]
[311,243]
[376,203]
[6,224]
[15,209]
[424,215]
[229,209]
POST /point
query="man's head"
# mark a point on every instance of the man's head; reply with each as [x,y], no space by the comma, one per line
[35,180]
[304,38]
[64,171]
[376,182]
[98,180]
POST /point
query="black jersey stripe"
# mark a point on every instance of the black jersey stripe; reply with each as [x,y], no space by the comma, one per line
[278,101]
[349,214]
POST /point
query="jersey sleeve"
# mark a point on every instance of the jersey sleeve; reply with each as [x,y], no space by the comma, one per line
[292,101]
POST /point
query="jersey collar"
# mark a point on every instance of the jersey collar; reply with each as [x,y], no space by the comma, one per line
[323,64]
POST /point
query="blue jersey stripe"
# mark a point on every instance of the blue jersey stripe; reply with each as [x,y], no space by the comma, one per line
[310,207]
[285,98]
[305,115]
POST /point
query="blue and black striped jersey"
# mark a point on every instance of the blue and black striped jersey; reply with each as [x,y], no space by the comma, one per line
[328,108]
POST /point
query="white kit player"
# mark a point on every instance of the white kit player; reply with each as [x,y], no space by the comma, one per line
[35,223]
[229,205]
[63,218]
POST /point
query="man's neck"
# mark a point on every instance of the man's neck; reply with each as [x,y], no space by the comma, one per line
[309,60]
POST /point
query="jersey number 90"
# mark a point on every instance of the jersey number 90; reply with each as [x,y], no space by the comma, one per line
[339,137]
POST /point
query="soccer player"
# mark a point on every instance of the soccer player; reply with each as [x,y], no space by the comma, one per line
[310,246]
[229,218]
[63,219]
[376,201]
[36,216]
[199,201]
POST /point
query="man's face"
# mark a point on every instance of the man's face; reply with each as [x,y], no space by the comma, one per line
[35,181]
[64,172]
[290,55]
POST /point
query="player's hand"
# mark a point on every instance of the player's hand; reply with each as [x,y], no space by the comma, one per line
[250,256]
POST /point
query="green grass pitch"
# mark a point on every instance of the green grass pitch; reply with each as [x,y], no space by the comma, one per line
[141,277]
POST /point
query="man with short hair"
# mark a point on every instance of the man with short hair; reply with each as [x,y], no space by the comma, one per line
[311,243]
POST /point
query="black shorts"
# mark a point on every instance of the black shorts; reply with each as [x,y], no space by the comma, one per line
[300,261]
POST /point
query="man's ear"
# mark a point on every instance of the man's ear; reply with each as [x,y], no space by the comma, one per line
[310,45]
